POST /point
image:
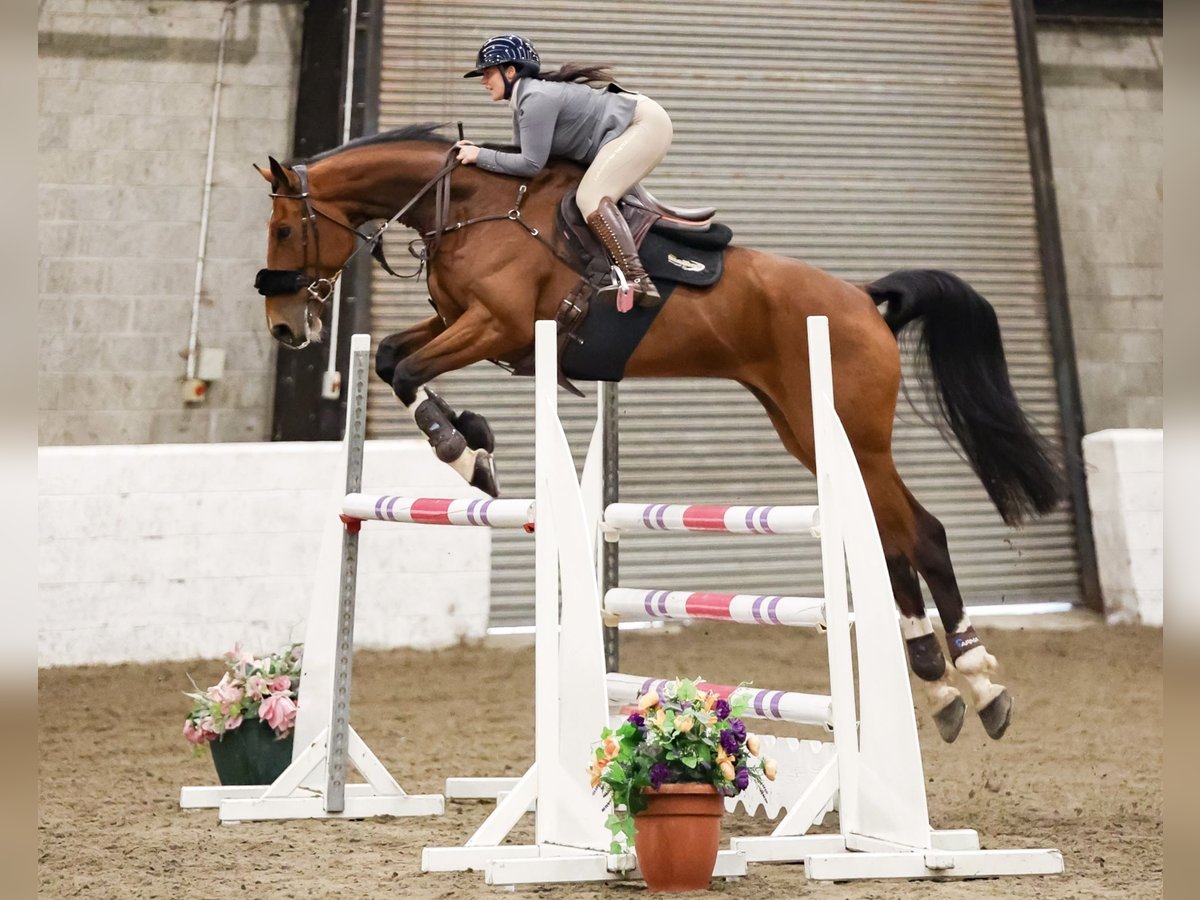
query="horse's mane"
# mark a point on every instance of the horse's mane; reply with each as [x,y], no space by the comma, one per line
[426,131]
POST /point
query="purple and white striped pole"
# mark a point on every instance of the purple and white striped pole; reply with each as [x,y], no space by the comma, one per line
[482,512]
[750,609]
[731,519]
[783,706]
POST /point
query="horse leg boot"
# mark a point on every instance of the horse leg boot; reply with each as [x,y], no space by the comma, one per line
[976,665]
[613,231]
[464,442]
[925,658]
[932,560]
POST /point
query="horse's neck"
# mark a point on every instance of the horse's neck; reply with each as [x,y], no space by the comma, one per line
[376,182]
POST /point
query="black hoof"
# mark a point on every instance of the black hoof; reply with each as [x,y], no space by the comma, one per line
[996,716]
[484,477]
[949,719]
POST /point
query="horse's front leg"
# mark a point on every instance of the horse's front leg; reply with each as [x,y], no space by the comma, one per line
[397,347]
[463,441]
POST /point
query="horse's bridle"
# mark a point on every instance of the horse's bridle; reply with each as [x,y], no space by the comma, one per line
[275,282]
[279,282]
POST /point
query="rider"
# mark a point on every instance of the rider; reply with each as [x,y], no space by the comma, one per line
[618,134]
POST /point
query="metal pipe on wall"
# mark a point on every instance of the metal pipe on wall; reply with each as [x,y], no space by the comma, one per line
[331,384]
[205,208]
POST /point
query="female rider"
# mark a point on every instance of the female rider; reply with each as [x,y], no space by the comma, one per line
[619,135]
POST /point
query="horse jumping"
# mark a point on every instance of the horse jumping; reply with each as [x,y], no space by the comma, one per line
[496,265]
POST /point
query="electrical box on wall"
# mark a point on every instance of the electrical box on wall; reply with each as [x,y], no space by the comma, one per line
[210,365]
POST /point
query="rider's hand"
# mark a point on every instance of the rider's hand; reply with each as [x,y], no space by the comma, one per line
[467,153]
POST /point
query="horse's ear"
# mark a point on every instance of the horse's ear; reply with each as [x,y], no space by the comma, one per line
[267,176]
[279,174]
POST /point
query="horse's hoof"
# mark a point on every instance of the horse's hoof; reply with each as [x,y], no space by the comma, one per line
[949,719]
[996,715]
[484,477]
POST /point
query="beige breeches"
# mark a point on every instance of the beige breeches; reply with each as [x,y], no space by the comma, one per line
[628,158]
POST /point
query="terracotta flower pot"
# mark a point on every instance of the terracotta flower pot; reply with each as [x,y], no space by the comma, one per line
[678,835]
[251,754]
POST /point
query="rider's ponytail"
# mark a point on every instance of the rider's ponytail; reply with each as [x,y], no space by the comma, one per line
[577,73]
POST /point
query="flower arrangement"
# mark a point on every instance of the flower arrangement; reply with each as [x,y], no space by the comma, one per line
[251,688]
[679,735]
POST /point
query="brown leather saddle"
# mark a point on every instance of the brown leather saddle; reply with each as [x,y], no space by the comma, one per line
[584,253]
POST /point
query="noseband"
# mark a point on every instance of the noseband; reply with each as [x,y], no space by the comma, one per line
[282,282]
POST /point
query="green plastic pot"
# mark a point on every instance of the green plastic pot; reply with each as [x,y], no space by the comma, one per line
[251,754]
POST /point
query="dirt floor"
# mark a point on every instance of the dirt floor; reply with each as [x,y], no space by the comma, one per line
[1080,769]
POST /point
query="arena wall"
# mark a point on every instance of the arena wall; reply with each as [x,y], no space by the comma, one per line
[125,101]
[179,551]
[1103,96]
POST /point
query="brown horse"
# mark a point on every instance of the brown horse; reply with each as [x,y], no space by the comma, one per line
[493,278]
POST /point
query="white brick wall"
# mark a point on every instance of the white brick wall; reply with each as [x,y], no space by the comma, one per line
[1103,96]
[1125,490]
[179,551]
[125,98]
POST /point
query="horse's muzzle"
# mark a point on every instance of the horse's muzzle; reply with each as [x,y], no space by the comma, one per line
[281,282]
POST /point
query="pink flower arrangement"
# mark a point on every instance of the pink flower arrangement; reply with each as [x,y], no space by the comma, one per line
[251,688]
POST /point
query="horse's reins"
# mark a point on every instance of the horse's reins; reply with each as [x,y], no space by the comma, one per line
[271,282]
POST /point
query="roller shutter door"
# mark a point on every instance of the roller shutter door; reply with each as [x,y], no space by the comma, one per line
[862,137]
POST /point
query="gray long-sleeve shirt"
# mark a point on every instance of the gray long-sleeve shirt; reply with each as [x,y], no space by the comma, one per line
[559,118]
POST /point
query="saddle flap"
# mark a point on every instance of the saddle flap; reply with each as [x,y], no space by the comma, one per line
[683,216]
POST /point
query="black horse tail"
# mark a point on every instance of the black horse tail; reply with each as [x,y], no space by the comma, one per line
[960,347]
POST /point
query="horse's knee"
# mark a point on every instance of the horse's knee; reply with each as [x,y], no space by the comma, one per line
[391,350]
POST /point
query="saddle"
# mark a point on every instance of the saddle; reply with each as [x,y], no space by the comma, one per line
[642,211]
[676,245]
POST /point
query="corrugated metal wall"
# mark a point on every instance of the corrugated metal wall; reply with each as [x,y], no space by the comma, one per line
[862,137]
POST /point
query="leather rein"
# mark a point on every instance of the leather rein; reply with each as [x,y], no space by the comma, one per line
[275,282]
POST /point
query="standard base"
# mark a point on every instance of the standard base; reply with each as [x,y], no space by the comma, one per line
[361,807]
[478,788]
[797,848]
[547,863]
[933,864]
[211,797]
[953,854]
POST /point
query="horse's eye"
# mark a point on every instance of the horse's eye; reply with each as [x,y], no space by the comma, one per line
[283,232]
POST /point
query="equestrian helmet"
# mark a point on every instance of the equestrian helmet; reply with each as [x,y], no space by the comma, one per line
[507,49]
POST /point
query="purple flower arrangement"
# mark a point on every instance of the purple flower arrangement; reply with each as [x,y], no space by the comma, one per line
[683,734]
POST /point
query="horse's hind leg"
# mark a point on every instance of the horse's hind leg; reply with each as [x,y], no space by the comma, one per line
[898,534]
[931,557]
[925,657]
[943,700]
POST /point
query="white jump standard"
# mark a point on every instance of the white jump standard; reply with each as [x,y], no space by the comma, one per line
[315,785]
[874,777]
